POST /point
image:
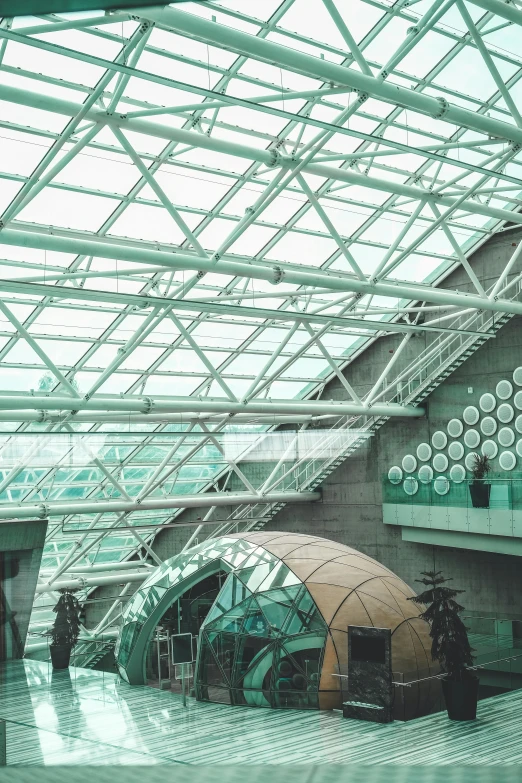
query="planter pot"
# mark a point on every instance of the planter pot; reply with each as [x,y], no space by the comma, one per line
[60,655]
[461,698]
[480,494]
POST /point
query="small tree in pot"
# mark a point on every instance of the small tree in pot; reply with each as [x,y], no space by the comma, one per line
[479,489]
[450,645]
[65,630]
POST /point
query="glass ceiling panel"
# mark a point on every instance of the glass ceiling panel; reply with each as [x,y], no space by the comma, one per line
[134,150]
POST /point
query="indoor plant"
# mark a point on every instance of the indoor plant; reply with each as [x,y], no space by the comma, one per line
[450,645]
[65,630]
[479,489]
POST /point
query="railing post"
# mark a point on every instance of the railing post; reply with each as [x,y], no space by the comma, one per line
[3,743]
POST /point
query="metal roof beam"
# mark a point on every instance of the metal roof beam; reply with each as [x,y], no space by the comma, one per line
[45,510]
[274,273]
[271,157]
[237,41]
[135,404]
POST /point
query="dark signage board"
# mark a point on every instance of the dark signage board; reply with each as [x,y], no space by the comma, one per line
[182,649]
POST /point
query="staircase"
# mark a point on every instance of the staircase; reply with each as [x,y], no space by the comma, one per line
[87,654]
[444,355]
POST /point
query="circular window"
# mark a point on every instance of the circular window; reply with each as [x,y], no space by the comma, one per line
[424,452]
[472,439]
[409,463]
[519,447]
[517,376]
[457,474]
[395,475]
[487,402]
[505,413]
[504,390]
[456,450]
[518,423]
[471,415]
[440,463]
[506,437]
[507,460]
[470,460]
[490,449]
[455,428]
[488,425]
[410,485]
[439,439]
[517,399]
[441,485]
[426,473]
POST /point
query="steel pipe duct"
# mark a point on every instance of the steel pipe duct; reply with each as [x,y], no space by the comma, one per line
[206,500]
[202,405]
[273,273]
[80,583]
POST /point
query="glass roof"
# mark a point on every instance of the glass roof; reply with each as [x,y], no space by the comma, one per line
[224,200]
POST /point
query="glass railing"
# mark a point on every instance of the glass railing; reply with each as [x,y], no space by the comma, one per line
[504,493]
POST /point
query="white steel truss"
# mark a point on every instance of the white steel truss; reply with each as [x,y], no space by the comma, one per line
[207,212]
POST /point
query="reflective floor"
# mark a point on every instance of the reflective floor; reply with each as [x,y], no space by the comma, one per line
[88,717]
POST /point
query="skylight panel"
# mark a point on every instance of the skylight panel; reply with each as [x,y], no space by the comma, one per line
[49,63]
[302,249]
[67,210]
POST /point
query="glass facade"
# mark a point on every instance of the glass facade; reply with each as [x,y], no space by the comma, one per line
[263,651]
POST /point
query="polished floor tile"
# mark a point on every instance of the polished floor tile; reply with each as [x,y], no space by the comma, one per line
[82,717]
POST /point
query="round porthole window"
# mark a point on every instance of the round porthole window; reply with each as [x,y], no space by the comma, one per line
[455,428]
[505,413]
[472,439]
[441,485]
[409,463]
[457,474]
[456,450]
[471,415]
[424,452]
[507,460]
[440,463]
[410,485]
[489,449]
[504,390]
[488,425]
[506,437]
[487,402]
[517,376]
[395,475]
[425,473]
[439,440]
[470,460]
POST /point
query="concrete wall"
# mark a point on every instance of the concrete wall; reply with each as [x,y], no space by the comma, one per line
[351,508]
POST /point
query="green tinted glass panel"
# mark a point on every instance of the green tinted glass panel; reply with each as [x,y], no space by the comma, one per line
[276,605]
[232,593]
[232,621]
[304,616]
[128,636]
[256,623]
[279,576]
[255,576]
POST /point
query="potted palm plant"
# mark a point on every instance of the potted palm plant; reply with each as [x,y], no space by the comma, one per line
[479,489]
[450,645]
[65,630]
